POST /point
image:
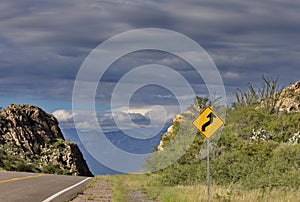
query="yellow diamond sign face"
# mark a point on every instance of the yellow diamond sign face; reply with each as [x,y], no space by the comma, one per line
[208,122]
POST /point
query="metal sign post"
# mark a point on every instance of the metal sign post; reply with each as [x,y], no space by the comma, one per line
[208,123]
[208,171]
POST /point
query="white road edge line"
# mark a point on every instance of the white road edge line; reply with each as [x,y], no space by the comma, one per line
[64,190]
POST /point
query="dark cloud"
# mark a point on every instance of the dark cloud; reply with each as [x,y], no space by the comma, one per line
[43,43]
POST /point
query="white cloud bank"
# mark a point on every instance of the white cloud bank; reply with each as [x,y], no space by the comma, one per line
[119,119]
[63,115]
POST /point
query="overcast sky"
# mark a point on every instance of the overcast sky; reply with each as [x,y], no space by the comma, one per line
[44,43]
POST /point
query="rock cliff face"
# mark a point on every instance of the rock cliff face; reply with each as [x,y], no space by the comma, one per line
[290,99]
[31,140]
[169,132]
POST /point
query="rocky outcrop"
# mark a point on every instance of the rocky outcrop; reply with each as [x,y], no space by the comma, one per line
[33,137]
[169,132]
[289,100]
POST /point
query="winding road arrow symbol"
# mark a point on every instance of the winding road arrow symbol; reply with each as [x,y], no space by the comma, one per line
[211,117]
[208,119]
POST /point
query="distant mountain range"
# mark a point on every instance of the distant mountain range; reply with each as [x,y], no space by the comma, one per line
[120,140]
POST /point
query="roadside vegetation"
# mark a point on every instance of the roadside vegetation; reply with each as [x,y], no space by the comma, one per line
[258,153]
[153,190]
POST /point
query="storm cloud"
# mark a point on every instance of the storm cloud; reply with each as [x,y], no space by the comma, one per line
[43,43]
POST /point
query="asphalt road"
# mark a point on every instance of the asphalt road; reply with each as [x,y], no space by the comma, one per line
[32,187]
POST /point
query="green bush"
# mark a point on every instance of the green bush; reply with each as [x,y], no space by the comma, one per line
[18,164]
[186,174]
[52,169]
[258,148]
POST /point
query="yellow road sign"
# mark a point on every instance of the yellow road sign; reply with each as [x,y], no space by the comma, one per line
[208,122]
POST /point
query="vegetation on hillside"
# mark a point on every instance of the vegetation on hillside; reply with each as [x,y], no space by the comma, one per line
[258,147]
[13,159]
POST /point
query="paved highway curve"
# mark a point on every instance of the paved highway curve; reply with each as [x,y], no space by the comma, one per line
[33,187]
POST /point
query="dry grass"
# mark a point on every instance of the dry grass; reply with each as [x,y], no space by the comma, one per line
[196,193]
[121,184]
[199,193]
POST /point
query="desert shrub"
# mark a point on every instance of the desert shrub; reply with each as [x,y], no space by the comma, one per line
[266,95]
[181,174]
[264,165]
[59,143]
[237,164]
[51,169]
[12,163]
